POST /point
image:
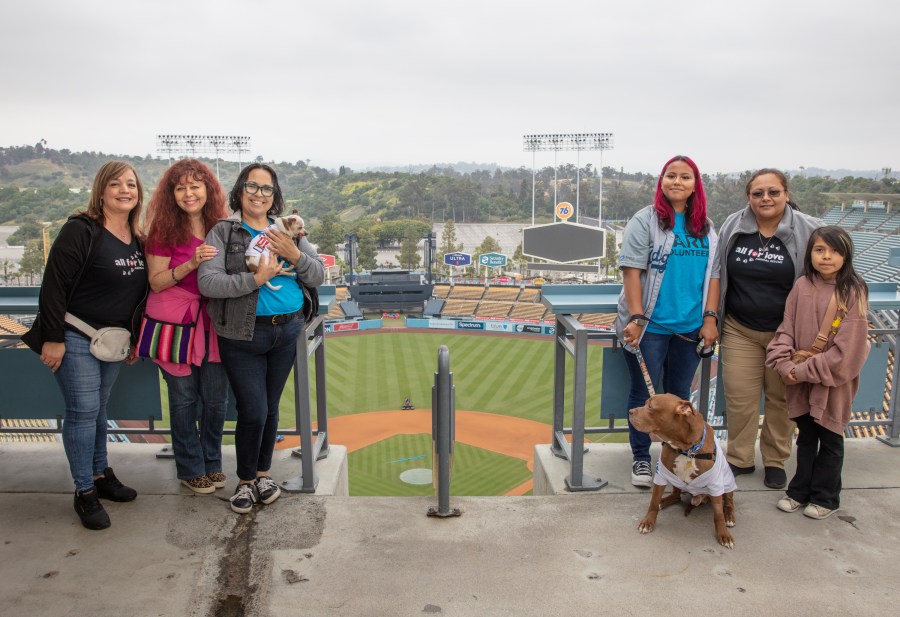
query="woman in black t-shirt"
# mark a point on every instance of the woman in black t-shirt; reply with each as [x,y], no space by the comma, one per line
[96,272]
[761,250]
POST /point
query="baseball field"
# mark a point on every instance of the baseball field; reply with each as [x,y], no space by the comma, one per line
[504,402]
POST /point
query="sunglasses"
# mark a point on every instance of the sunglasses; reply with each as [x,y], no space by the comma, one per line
[773,193]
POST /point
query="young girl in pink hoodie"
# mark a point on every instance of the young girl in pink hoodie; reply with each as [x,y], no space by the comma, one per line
[821,387]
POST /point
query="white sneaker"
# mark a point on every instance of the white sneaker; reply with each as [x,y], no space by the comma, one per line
[818,512]
[640,474]
[786,504]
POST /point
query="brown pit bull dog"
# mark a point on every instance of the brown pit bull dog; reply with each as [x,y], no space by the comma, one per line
[691,461]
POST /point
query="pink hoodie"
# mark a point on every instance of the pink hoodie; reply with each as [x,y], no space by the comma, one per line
[829,380]
[177,305]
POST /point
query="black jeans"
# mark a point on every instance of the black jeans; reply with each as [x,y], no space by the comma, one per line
[258,370]
[820,457]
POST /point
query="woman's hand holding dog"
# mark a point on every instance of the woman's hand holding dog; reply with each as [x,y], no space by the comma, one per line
[282,245]
[269,267]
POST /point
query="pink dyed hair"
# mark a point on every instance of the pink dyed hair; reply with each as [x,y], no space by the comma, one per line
[697,224]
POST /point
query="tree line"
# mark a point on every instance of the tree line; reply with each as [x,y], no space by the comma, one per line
[391,208]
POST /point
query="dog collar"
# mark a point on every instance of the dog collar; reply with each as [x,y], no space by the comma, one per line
[694,449]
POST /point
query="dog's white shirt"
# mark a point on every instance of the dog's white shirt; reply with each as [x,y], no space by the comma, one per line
[259,246]
[718,480]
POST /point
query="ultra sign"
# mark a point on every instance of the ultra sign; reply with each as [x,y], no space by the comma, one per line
[457,259]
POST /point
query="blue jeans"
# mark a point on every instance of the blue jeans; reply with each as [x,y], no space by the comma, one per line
[85,383]
[258,370]
[205,391]
[671,362]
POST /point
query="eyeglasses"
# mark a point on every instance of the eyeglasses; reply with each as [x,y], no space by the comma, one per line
[773,193]
[252,188]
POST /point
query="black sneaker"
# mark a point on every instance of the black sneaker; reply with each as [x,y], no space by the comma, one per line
[775,477]
[109,487]
[267,490]
[640,474]
[243,499]
[90,510]
[739,471]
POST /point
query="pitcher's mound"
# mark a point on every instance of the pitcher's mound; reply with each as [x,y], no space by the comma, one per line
[419,475]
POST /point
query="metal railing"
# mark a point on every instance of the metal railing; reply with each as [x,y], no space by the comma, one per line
[572,339]
[313,342]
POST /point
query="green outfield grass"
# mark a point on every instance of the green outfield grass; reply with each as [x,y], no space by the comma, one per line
[376,469]
[494,374]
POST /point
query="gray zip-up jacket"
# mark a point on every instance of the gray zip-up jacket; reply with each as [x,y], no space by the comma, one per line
[646,247]
[231,287]
[793,231]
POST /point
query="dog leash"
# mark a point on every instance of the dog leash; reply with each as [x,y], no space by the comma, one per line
[644,371]
[702,351]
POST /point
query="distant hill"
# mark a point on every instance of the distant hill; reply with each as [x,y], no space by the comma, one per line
[43,184]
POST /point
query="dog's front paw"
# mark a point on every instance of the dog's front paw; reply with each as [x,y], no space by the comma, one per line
[725,539]
[647,525]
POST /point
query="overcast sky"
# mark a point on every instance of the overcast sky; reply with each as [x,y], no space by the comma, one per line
[735,85]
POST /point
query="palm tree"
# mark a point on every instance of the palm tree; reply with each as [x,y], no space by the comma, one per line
[7,266]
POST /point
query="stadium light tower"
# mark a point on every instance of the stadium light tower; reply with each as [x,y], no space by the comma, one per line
[192,145]
[568,142]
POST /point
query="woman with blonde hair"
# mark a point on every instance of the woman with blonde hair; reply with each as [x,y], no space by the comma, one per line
[96,273]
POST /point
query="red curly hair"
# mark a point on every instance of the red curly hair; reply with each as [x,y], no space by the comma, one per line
[168,224]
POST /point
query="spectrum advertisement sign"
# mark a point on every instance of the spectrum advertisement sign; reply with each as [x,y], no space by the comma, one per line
[469,325]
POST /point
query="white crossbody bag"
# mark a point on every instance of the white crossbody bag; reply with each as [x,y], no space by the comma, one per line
[107,344]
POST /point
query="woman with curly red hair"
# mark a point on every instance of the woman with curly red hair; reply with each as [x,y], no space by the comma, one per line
[669,295]
[187,203]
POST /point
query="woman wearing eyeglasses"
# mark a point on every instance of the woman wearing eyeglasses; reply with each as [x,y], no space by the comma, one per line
[257,326]
[762,248]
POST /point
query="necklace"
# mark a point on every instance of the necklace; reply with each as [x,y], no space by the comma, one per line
[124,235]
[764,244]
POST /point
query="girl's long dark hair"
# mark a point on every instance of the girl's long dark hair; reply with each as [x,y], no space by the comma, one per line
[849,285]
[696,221]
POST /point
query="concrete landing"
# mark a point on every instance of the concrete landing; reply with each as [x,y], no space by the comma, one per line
[171,553]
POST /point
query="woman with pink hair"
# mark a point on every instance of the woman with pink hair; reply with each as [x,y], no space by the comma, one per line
[670,294]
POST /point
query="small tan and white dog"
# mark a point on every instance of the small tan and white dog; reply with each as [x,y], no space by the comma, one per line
[291,225]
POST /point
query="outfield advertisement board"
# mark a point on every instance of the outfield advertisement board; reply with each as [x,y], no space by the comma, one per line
[441,324]
[353,326]
[470,325]
[482,325]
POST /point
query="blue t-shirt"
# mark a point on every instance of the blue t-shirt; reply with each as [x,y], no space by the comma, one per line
[288,299]
[679,305]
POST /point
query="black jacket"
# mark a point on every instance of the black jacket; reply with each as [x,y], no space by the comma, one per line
[74,248]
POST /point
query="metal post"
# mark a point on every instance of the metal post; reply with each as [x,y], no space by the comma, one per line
[533,154]
[443,433]
[309,451]
[577,183]
[893,436]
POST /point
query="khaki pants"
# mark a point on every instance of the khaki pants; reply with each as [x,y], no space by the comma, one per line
[743,366]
